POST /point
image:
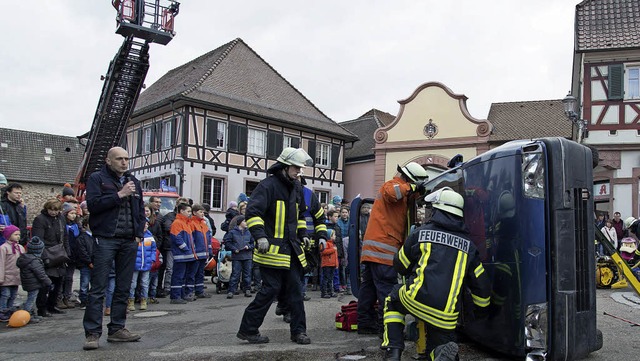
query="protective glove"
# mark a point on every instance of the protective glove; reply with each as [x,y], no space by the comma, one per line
[263,245]
[323,243]
[306,243]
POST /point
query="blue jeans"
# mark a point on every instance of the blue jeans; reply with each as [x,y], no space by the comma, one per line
[144,284]
[7,296]
[111,287]
[31,300]
[244,267]
[153,284]
[106,251]
[85,279]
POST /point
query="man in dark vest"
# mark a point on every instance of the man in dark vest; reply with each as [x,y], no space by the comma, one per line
[114,198]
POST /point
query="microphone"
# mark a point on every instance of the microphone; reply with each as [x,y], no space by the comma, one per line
[127,179]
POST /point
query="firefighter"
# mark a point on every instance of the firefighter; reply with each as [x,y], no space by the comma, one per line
[275,219]
[387,229]
[437,259]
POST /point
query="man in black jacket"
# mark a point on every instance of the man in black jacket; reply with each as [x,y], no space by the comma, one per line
[114,198]
[14,208]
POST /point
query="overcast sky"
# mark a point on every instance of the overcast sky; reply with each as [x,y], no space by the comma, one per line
[345,56]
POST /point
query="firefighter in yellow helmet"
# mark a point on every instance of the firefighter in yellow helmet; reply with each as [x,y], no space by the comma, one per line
[437,259]
[276,221]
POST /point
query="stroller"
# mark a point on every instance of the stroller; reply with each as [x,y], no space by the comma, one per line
[210,269]
[223,270]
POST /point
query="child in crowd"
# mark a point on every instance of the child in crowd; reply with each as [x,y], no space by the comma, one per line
[70,214]
[202,242]
[153,277]
[9,272]
[329,264]
[232,211]
[84,253]
[239,241]
[32,275]
[144,259]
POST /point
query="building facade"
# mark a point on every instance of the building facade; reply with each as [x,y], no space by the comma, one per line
[213,126]
[606,81]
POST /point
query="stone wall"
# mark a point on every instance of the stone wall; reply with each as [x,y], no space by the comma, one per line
[35,194]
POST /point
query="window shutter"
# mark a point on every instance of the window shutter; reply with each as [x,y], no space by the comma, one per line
[139,147]
[158,135]
[335,155]
[242,139]
[212,133]
[152,141]
[174,122]
[616,82]
[312,151]
[295,142]
[232,145]
[274,144]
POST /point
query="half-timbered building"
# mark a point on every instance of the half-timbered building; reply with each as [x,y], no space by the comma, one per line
[606,80]
[211,128]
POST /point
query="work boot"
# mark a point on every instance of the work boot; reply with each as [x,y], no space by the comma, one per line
[61,305]
[143,304]
[91,342]
[257,338]
[393,354]
[301,339]
[123,335]
[446,352]
[131,305]
[68,303]
[56,311]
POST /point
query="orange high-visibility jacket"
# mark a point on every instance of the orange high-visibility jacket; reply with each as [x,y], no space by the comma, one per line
[388,223]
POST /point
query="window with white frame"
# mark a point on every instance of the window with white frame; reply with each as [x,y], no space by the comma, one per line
[212,192]
[166,135]
[323,196]
[290,142]
[323,154]
[632,83]
[221,135]
[146,140]
[256,142]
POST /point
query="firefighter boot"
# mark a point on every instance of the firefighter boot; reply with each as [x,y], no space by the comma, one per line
[393,354]
[130,305]
[143,304]
[446,352]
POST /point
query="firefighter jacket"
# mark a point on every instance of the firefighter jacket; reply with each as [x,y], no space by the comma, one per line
[438,258]
[201,237]
[388,224]
[274,212]
[182,245]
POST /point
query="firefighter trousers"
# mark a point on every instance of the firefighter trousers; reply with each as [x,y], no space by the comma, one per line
[273,280]
[394,312]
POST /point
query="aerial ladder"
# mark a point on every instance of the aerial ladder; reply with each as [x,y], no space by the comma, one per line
[140,23]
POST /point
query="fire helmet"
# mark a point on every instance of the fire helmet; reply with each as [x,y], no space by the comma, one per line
[296,157]
[446,199]
[413,171]
[628,222]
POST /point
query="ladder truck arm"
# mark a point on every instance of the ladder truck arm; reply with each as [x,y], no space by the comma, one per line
[141,23]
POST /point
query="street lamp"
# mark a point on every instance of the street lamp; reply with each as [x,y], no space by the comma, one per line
[570,104]
[178,165]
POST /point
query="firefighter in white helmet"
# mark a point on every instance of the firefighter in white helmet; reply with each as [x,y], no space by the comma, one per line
[436,260]
[275,219]
[386,231]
